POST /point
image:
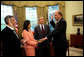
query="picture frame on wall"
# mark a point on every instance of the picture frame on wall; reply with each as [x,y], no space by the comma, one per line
[78,20]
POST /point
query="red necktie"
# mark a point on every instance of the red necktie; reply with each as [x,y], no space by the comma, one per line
[56,23]
[42,29]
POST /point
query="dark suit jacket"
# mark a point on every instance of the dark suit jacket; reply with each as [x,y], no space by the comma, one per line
[38,35]
[59,33]
[10,42]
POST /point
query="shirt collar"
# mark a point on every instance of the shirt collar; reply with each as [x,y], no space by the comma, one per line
[59,19]
[41,26]
[10,27]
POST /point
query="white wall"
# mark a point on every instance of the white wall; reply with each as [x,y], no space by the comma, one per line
[73,8]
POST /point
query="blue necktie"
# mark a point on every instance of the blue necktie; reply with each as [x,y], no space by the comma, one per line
[15,34]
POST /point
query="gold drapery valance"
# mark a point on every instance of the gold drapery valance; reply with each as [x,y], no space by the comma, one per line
[33,3]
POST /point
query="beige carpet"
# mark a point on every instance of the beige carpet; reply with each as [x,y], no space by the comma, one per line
[75,51]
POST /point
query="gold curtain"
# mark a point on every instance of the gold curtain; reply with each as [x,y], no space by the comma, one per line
[20,18]
[45,13]
[42,12]
[62,8]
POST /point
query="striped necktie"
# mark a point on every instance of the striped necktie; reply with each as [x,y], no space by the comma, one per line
[42,29]
[15,33]
[57,24]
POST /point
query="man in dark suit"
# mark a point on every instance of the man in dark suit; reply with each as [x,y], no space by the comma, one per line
[40,32]
[10,39]
[59,34]
[0,48]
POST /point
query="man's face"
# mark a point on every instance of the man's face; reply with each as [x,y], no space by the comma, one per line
[13,21]
[57,16]
[41,20]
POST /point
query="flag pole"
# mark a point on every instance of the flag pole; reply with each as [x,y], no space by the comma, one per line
[16,25]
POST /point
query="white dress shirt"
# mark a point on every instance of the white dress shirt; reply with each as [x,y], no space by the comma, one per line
[41,27]
[59,19]
[10,27]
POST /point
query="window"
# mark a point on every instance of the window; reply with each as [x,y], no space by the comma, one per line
[5,10]
[31,14]
[51,10]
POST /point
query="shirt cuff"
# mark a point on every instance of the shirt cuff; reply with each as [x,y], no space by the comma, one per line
[38,44]
[46,37]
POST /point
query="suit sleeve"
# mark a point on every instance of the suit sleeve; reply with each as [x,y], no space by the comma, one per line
[61,27]
[52,23]
[50,40]
[35,33]
[4,36]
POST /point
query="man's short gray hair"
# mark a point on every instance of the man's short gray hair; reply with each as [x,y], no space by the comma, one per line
[60,13]
[7,18]
[40,17]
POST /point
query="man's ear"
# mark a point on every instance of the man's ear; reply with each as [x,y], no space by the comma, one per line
[10,23]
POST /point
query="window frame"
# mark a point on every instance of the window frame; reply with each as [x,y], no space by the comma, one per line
[29,19]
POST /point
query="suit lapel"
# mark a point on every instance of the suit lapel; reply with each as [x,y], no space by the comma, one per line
[13,32]
[59,22]
[40,31]
[44,28]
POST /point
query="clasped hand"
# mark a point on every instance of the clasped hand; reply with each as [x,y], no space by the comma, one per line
[42,40]
[39,41]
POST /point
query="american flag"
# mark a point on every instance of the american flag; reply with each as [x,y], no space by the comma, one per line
[16,25]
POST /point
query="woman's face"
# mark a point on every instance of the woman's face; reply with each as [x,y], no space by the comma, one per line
[29,26]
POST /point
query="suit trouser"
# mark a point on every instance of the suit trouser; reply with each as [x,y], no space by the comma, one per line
[44,51]
[12,52]
[60,51]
